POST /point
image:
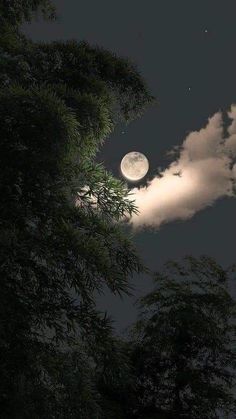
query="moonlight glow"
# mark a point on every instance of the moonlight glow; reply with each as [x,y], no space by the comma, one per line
[134,166]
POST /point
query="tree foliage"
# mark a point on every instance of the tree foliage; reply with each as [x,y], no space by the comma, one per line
[60,239]
[16,11]
[184,346]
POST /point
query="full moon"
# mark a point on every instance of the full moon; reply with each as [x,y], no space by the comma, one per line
[134,166]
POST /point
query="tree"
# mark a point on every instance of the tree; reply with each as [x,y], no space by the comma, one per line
[114,378]
[184,343]
[16,11]
[60,238]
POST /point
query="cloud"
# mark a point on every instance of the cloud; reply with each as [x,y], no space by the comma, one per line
[203,173]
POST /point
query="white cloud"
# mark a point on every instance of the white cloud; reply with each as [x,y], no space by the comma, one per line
[206,168]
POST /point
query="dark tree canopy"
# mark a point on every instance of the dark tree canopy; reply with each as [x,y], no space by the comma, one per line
[184,351]
[60,240]
[16,11]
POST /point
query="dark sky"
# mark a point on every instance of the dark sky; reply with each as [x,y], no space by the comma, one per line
[175,45]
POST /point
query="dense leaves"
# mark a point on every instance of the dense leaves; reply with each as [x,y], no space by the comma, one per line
[184,346]
[60,240]
[16,11]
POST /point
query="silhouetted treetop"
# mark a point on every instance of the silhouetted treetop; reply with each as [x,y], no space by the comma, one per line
[16,11]
[184,351]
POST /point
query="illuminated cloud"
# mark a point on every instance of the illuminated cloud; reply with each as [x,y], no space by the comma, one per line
[203,173]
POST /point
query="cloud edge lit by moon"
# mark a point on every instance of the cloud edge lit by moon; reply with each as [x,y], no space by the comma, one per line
[207,169]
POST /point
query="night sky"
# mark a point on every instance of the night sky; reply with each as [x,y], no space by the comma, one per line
[186,51]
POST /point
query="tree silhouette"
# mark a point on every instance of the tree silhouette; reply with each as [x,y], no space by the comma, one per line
[16,11]
[184,344]
[60,239]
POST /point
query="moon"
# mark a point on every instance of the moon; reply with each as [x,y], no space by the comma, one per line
[134,166]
